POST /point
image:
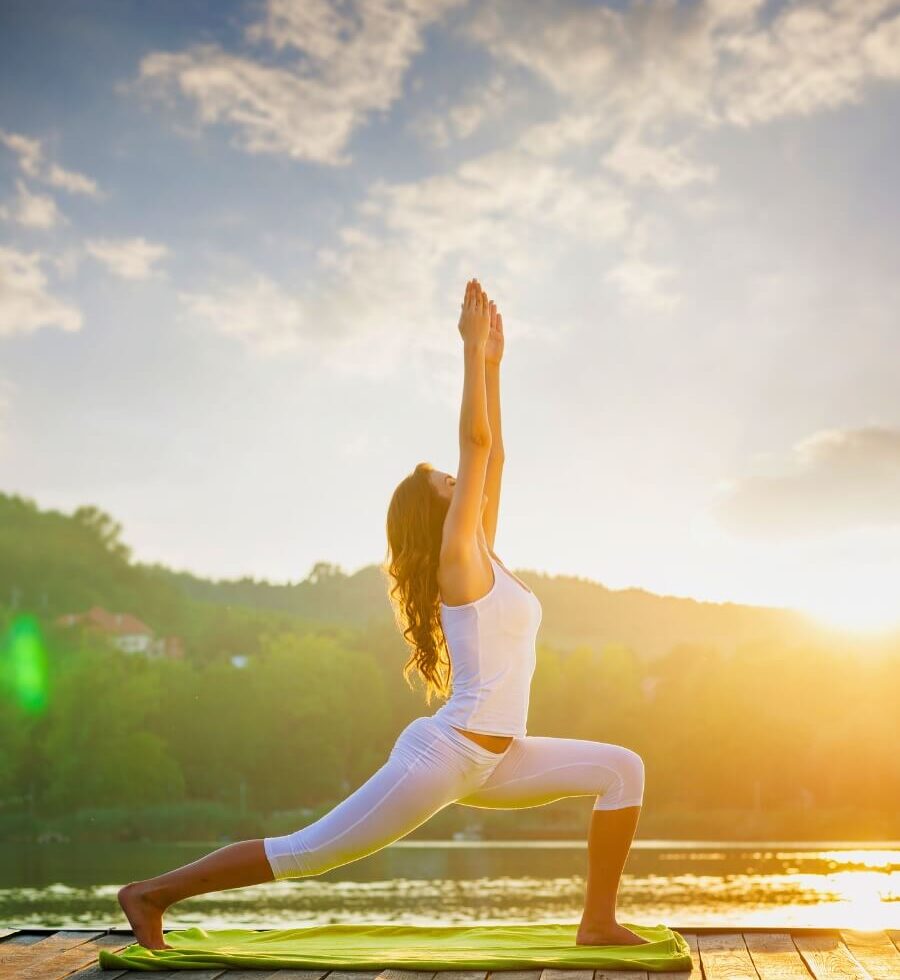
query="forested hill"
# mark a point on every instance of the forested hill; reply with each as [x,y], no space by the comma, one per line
[53,563]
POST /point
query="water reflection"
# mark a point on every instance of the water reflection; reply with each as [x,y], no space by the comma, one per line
[679,883]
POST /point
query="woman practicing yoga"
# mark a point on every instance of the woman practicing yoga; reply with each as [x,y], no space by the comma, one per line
[468,619]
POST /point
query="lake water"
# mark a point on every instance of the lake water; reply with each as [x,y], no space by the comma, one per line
[678,883]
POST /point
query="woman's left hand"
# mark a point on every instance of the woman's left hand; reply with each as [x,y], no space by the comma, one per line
[493,351]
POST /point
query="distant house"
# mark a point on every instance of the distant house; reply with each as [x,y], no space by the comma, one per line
[125,632]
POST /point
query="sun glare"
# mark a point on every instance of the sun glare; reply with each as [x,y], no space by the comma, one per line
[860,614]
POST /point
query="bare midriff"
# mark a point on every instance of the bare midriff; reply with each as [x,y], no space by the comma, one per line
[493,743]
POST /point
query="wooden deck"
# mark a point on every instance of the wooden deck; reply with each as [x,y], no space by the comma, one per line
[718,954]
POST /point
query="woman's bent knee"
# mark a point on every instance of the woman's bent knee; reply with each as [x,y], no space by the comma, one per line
[629,789]
[284,857]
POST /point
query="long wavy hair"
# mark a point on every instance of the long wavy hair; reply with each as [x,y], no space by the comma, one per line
[415,525]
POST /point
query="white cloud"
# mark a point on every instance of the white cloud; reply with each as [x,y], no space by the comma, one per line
[376,300]
[882,49]
[637,162]
[25,303]
[836,480]
[644,283]
[32,210]
[66,262]
[483,103]
[71,181]
[642,84]
[28,151]
[639,72]
[341,66]
[639,85]
[6,391]
[31,154]
[130,258]
[408,235]
[258,312]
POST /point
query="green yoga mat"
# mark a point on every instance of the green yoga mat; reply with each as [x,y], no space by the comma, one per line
[372,947]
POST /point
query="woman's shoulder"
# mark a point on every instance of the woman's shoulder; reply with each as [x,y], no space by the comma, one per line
[463,577]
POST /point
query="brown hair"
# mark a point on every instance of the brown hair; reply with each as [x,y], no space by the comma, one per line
[415,525]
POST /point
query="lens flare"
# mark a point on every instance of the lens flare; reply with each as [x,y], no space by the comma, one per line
[24,666]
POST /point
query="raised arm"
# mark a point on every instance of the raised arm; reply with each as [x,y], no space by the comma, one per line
[492,357]
[464,514]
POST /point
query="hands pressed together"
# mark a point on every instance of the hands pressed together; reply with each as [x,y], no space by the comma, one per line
[481,323]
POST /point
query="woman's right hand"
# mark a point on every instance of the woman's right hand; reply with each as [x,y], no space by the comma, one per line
[475,319]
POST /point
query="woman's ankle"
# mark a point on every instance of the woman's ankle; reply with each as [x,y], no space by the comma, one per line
[593,921]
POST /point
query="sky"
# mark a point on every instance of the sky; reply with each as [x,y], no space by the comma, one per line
[234,239]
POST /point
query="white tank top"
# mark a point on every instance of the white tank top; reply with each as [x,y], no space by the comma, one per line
[492,654]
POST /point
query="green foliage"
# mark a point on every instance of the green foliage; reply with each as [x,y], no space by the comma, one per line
[195,749]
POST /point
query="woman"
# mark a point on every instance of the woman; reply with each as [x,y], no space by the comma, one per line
[466,617]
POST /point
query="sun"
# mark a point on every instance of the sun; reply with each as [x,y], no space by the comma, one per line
[858,614]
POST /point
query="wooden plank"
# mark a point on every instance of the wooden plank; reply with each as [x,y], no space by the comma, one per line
[392,974]
[7,932]
[724,956]
[505,975]
[64,963]
[352,975]
[275,975]
[553,974]
[894,935]
[94,972]
[471,974]
[775,956]
[620,975]
[173,974]
[10,949]
[875,952]
[24,950]
[828,958]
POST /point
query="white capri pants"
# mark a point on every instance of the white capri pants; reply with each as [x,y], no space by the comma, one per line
[431,766]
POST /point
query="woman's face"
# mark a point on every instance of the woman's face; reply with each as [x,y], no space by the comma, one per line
[444,483]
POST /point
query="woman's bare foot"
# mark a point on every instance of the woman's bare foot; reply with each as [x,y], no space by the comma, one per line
[607,935]
[144,915]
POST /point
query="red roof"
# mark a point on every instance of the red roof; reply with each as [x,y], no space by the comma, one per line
[120,624]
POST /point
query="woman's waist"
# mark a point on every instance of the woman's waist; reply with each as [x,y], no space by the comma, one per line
[506,718]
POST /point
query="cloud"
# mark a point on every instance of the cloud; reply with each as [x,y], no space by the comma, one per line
[635,76]
[31,210]
[484,102]
[31,154]
[336,67]
[637,162]
[637,86]
[836,480]
[6,391]
[71,181]
[25,303]
[498,204]
[258,312]
[66,262]
[375,300]
[130,258]
[882,49]
[644,283]
[28,151]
